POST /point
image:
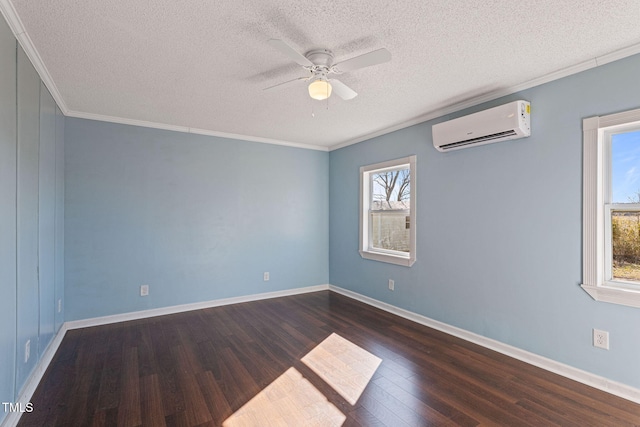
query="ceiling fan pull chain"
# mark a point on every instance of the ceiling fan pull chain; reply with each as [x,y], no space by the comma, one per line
[328,97]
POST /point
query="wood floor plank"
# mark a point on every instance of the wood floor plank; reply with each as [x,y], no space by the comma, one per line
[152,411]
[129,410]
[109,391]
[214,398]
[407,411]
[381,413]
[82,384]
[211,359]
[573,404]
[429,405]
[199,368]
[195,408]
[147,356]
[365,418]
[237,383]
[104,418]
[163,338]
[554,417]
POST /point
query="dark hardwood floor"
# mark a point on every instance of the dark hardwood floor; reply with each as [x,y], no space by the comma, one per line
[198,368]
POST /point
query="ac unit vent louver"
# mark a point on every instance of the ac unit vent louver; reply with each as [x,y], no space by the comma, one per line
[499,135]
[484,127]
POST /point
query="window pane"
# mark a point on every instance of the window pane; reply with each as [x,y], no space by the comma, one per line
[390,207]
[625,167]
[389,230]
[391,187]
[625,239]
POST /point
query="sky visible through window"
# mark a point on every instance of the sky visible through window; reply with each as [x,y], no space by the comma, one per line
[625,170]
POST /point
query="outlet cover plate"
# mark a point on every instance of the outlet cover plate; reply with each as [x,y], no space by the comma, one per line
[144,290]
[601,339]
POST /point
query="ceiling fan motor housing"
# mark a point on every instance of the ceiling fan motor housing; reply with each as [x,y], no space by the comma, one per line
[320,57]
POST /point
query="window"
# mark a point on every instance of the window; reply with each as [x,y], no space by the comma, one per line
[387,211]
[611,208]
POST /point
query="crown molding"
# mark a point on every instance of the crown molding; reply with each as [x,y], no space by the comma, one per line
[186,129]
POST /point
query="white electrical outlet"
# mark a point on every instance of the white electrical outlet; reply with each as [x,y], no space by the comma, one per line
[144,290]
[601,339]
[392,285]
[59,305]
[27,351]
[265,276]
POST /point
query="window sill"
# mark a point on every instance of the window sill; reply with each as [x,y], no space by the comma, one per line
[392,259]
[614,295]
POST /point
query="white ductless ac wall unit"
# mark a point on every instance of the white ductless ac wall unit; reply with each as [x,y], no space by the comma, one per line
[502,123]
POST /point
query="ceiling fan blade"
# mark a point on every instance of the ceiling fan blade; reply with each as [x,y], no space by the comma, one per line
[290,52]
[342,90]
[285,84]
[365,60]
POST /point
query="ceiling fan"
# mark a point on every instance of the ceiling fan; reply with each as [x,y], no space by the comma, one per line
[319,65]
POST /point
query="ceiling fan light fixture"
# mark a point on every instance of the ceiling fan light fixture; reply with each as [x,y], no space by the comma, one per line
[320,89]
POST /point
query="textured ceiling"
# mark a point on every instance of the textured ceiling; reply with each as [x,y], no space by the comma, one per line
[201,65]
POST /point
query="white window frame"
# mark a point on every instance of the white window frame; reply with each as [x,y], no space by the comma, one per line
[366,250]
[597,207]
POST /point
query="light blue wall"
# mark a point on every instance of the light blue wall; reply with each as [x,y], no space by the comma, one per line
[47,217]
[196,218]
[31,199]
[59,221]
[7,214]
[28,164]
[499,229]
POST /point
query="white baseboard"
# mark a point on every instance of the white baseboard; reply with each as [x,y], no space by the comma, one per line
[584,377]
[34,379]
[97,321]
